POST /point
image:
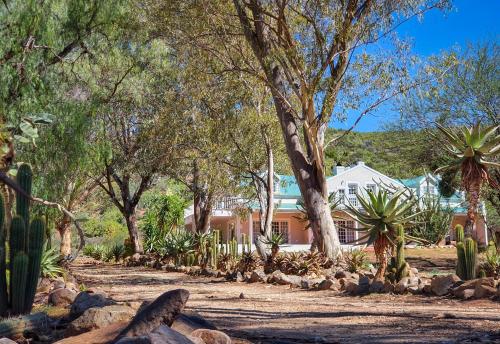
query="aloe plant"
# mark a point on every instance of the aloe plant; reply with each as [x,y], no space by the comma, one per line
[472,150]
[380,216]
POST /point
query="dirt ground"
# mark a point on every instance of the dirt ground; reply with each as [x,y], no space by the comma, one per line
[278,314]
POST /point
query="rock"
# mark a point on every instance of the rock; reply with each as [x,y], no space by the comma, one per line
[257,276]
[44,286]
[486,281]
[161,311]
[440,285]
[279,277]
[211,336]
[484,291]
[7,341]
[242,296]
[186,323]
[58,284]
[464,294]
[342,274]
[388,287]
[165,335]
[413,272]
[134,340]
[101,336]
[401,286]
[72,286]
[364,280]
[95,318]
[415,289]
[377,287]
[61,297]
[86,300]
[351,287]
[327,284]
[466,285]
[427,289]
[239,277]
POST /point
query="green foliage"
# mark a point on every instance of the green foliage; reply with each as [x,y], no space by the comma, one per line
[49,266]
[164,214]
[248,262]
[110,225]
[118,251]
[470,249]
[433,223]
[491,264]
[356,260]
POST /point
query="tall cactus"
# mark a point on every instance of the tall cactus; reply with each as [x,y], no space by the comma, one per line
[470,258]
[36,240]
[459,234]
[24,179]
[401,265]
[4,301]
[26,244]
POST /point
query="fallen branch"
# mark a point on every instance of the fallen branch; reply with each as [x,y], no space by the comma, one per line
[11,183]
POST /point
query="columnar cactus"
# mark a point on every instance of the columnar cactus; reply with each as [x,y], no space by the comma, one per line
[214,248]
[401,265]
[470,258]
[26,244]
[459,234]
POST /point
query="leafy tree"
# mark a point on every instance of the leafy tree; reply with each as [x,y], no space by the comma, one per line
[309,54]
[472,150]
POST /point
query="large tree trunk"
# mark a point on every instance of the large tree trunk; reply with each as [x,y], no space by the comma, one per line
[131,221]
[307,166]
[64,229]
[311,179]
[473,198]
[202,213]
[265,194]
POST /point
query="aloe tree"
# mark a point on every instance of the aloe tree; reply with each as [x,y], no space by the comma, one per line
[379,216]
[472,149]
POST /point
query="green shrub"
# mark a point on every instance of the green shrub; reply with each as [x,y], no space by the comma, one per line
[118,251]
[88,250]
[50,267]
[99,252]
[433,224]
[355,260]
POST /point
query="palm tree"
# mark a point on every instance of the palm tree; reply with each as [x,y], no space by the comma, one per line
[471,149]
[379,216]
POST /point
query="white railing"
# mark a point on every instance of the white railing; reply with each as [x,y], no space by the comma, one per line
[227,203]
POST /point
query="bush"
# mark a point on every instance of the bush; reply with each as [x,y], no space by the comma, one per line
[491,265]
[355,260]
[434,223]
[50,267]
[118,251]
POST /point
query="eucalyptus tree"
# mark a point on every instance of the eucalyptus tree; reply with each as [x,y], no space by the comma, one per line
[320,59]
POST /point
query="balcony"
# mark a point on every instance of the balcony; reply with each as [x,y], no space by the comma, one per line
[227,203]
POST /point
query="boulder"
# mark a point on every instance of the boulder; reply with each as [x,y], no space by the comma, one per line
[61,297]
[101,336]
[165,335]
[257,276]
[44,286]
[377,287]
[364,280]
[86,300]
[466,285]
[415,289]
[95,318]
[327,284]
[239,277]
[161,311]
[482,291]
[464,294]
[342,274]
[211,336]
[441,285]
[187,322]
[6,341]
[388,287]
[279,277]
[351,287]
[58,284]
[487,281]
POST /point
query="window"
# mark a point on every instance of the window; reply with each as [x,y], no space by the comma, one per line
[371,187]
[353,189]
[276,228]
[346,231]
[341,195]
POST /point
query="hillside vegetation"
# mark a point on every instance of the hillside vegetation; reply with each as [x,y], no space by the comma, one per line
[390,152]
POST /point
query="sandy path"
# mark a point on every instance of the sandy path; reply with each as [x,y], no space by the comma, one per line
[278,314]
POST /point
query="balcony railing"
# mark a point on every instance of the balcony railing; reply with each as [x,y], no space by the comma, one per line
[227,203]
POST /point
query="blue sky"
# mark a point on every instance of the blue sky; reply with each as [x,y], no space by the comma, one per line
[468,22]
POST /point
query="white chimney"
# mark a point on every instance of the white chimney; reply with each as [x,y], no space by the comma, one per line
[338,169]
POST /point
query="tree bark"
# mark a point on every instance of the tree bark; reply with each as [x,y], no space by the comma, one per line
[307,165]
[203,203]
[265,194]
[64,229]
[133,232]
[473,196]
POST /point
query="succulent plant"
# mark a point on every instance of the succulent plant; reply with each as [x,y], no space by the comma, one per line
[26,249]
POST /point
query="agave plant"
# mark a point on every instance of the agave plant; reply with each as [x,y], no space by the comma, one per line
[379,217]
[472,149]
[275,241]
[49,266]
